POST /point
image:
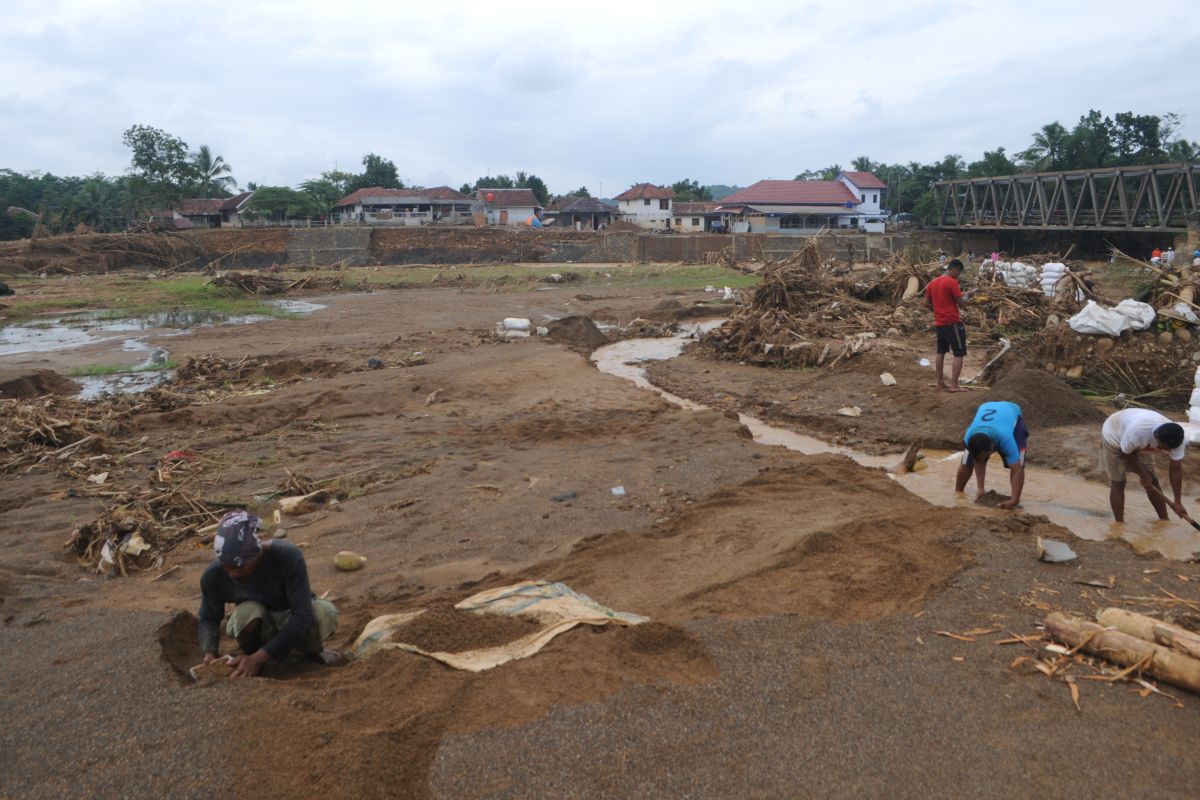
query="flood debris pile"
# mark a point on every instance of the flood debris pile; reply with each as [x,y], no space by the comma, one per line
[211,372]
[258,284]
[103,252]
[796,306]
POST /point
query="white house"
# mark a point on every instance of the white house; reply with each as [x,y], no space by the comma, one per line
[807,206]
[646,205]
[697,217]
[508,206]
[870,192]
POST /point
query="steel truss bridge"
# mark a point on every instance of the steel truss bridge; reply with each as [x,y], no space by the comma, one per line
[1158,198]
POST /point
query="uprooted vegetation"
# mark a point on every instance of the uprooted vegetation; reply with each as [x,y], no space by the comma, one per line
[804,314]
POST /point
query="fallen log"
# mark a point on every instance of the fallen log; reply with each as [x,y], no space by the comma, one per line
[1125,650]
[1152,630]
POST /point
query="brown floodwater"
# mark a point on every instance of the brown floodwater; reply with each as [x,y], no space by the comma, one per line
[1068,500]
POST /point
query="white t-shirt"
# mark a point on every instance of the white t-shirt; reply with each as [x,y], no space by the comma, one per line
[1133,429]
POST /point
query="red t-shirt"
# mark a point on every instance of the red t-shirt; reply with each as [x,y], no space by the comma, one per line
[944,292]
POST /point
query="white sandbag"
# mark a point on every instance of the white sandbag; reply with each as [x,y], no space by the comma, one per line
[515,324]
[1141,315]
[1194,416]
[1195,400]
[1094,318]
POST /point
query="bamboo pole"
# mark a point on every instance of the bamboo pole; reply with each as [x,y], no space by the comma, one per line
[1152,630]
[1125,650]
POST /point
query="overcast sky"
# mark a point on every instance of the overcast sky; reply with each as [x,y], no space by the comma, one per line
[596,94]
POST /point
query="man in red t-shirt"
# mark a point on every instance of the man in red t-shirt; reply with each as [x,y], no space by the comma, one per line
[944,296]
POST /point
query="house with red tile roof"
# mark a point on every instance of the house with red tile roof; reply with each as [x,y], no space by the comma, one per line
[215,212]
[508,206]
[853,200]
[646,205]
[376,205]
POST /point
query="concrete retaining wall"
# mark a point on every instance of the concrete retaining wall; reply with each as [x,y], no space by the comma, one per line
[321,247]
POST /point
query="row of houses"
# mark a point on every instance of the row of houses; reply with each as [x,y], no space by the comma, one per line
[851,200]
[854,200]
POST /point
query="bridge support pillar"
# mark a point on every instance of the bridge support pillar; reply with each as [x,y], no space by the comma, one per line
[1193,235]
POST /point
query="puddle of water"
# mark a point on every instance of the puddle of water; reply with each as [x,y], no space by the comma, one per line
[1068,500]
[71,331]
[74,331]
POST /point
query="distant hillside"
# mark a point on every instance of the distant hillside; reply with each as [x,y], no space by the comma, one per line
[720,191]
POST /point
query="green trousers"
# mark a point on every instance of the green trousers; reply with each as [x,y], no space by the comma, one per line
[324,612]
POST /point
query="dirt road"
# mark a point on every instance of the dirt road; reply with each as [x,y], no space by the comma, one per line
[796,599]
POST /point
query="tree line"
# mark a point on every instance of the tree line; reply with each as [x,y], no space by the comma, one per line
[1122,140]
[163,170]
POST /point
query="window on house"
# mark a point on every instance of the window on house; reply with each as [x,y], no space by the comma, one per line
[646,201]
[695,220]
[791,221]
[874,198]
[679,220]
[664,205]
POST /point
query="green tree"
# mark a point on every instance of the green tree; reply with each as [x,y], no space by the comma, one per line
[994,162]
[213,173]
[324,193]
[1138,138]
[1090,143]
[494,182]
[95,204]
[535,184]
[158,166]
[283,202]
[690,191]
[864,164]
[339,179]
[1049,148]
[377,171]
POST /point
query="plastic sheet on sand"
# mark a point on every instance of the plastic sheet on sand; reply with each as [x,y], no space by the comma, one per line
[555,605]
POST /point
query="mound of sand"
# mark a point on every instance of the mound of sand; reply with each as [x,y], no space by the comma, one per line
[27,384]
[445,629]
[577,333]
[1045,400]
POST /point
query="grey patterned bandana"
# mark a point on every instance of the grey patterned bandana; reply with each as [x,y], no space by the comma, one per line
[237,542]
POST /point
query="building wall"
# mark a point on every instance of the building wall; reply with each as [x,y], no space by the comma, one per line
[872,199]
[516,215]
[689,224]
[648,216]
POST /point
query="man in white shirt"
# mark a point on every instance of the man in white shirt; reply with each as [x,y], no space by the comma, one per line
[1128,441]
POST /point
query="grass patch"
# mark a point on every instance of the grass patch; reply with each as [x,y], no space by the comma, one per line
[36,307]
[193,293]
[525,277]
[116,369]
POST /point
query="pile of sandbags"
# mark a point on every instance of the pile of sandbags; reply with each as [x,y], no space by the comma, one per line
[1194,403]
[1013,273]
[1052,273]
[1096,320]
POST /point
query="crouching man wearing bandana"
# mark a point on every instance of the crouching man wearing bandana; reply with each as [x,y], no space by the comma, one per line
[275,611]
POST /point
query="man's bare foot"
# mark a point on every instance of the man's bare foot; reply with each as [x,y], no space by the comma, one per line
[956,389]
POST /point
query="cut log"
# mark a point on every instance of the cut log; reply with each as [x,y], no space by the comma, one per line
[914,286]
[1125,650]
[1152,630]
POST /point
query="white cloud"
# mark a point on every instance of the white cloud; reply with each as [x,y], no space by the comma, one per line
[577,94]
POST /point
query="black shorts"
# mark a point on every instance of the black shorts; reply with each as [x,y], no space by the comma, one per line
[952,339]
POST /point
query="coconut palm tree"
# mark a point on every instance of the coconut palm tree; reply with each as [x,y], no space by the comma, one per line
[212,172]
[1048,148]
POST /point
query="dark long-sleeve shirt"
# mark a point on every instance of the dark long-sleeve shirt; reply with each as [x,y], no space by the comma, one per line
[280,583]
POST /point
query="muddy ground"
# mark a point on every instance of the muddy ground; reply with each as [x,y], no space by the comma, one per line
[796,600]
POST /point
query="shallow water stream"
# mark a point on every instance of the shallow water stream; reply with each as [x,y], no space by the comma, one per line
[1068,500]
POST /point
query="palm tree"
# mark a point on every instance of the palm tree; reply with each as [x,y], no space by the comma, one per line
[212,172]
[95,203]
[863,164]
[1048,148]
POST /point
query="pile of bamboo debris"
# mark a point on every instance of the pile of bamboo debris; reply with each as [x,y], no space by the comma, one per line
[259,284]
[1137,643]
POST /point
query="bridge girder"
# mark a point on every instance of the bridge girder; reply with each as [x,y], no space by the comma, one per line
[1157,198]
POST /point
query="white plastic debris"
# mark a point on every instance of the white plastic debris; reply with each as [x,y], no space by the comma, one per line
[1126,315]
[618,491]
[710,288]
[515,324]
[728,294]
[1054,551]
[850,411]
[924,362]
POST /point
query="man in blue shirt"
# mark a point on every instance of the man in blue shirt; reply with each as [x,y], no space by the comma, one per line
[997,427]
